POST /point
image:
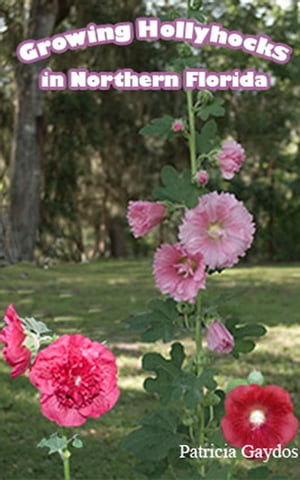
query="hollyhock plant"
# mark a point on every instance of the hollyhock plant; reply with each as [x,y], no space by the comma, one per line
[144,216]
[219,339]
[259,416]
[219,227]
[231,158]
[15,353]
[76,378]
[178,273]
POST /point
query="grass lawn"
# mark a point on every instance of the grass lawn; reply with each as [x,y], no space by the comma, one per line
[96,299]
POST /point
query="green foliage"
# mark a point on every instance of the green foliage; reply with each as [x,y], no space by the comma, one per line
[54,443]
[262,473]
[177,188]
[213,108]
[57,444]
[154,440]
[166,383]
[35,326]
[159,323]
[241,334]
[235,382]
[207,139]
[160,126]
[174,384]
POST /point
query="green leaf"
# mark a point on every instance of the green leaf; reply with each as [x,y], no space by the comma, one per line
[217,471]
[35,326]
[190,386]
[177,188]
[250,330]
[213,108]
[198,16]
[256,473]
[156,437]
[157,324]
[216,438]
[236,382]
[207,378]
[55,443]
[152,468]
[159,126]
[77,443]
[167,371]
[230,323]
[207,139]
[242,346]
[219,410]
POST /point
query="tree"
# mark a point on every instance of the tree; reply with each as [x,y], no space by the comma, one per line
[34,19]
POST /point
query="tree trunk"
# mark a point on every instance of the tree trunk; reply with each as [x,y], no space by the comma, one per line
[118,239]
[29,133]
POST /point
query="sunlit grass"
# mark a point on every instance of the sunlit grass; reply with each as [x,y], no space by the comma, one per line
[96,299]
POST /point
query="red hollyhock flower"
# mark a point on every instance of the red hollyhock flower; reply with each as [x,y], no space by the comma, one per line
[259,416]
[13,336]
[76,378]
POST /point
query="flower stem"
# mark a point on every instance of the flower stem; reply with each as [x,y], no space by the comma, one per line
[198,333]
[66,456]
[192,132]
[200,409]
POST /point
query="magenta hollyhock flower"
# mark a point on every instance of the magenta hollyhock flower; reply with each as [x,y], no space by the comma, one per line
[178,126]
[231,158]
[202,177]
[178,273]
[219,339]
[76,378]
[260,417]
[220,228]
[144,216]
[13,336]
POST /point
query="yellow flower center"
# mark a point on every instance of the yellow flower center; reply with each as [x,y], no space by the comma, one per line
[215,231]
[257,417]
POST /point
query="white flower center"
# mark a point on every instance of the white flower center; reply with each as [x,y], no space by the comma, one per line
[257,417]
[77,381]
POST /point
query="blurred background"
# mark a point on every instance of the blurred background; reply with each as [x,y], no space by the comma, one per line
[71,160]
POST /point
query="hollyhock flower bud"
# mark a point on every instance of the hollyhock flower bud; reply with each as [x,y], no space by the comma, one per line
[219,339]
[256,377]
[177,273]
[144,216]
[260,417]
[15,353]
[76,378]
[178,126]
[202,177]
[231,158]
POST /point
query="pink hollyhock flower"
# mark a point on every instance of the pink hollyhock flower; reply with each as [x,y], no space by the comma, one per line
[178,126]
[202,177]
[219,339]
[144,216]
[76,378]
[178,273]
[261,417]
[13,336]
[231,158]
[220,228]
